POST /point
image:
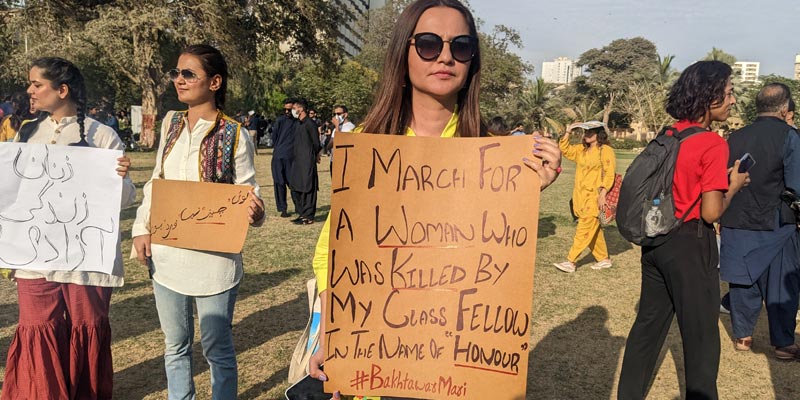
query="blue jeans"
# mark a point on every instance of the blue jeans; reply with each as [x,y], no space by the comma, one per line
[216,336]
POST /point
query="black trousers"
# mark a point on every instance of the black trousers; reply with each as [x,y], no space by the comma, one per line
[280,179]
[679,278]
[306,203]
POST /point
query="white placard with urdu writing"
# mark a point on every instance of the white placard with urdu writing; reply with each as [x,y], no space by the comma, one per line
[59,207]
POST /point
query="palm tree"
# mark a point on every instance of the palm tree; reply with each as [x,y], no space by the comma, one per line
[584,111]
[665,72]
[534,100]
[719,55]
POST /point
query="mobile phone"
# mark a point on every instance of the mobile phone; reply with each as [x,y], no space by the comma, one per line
[308,388]
[746,162]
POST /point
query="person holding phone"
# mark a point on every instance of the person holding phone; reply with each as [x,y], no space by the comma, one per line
[431,89]
[679,277]
[758,252]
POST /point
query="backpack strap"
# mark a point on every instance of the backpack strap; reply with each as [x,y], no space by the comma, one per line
[681,136]
[688,132]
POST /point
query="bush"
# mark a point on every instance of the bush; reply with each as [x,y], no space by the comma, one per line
[627,144]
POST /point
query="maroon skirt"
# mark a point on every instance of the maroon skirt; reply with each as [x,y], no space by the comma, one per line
[62,345]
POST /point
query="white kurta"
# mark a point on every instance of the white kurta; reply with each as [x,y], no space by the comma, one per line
[101,136]
[192,272]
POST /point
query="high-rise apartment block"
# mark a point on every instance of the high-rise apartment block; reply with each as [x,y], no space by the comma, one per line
[562,70]
[350,36]
[797,67]
[747,70]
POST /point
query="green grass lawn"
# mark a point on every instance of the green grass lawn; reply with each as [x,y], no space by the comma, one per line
[580,320]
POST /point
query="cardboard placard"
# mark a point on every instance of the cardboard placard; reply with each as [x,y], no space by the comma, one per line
[199,215]
[59,207]
[430,276]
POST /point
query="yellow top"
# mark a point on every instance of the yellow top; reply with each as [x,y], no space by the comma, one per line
[595,169]
[6,133]
[320,262]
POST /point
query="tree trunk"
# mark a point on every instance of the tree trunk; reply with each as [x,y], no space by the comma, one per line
[607,112]
[149,111]
[150,77]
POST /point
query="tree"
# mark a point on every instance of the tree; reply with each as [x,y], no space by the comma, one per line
[666,74]
[535,101]
[746,102]
[354,87]
[139,40]
[378,32]
[502,74]
[645,102]
[613,68]
[718,55]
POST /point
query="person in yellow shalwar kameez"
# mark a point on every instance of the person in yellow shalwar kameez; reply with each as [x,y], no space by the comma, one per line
[594,176]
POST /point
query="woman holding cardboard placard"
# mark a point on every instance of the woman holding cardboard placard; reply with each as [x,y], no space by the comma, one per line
[62,345]
[201,144]
[431,87]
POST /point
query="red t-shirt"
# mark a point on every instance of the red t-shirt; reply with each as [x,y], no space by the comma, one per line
[702,166]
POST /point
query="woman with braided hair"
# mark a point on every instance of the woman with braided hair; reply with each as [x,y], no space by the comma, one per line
[62,345]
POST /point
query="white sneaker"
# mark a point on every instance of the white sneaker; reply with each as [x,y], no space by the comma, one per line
[565,266]
[602,264]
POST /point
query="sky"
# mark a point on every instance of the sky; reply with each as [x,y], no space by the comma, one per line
[767,31]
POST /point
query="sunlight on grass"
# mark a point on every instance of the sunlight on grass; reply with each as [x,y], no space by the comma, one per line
[580,320]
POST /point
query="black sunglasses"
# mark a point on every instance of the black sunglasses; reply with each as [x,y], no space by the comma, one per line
[187,74]
[429,46]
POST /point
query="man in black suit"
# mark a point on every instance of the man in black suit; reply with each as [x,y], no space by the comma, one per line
[283,155]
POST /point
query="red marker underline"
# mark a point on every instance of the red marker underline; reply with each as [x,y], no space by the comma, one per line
[428,290]
[391,246]
[486,369]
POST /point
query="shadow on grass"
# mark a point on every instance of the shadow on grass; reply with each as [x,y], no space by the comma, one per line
[128,214]
[266,385]
[615,242]
[576,360]
[9,315]
[547,227]
[142,309]
[783,373]
[146,377]
[322,213]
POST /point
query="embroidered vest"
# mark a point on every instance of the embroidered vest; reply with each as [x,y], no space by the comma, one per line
[217,149]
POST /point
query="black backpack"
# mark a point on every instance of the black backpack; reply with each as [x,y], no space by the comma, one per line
[646,210]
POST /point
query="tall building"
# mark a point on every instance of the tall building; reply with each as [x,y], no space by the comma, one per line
[747,70]
[350,36]
[562,70]
[797,67]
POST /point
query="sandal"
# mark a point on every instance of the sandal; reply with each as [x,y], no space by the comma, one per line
[788,353]
[743,344]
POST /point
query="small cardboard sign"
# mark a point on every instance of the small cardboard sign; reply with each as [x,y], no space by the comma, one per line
[199,215]
[430,270]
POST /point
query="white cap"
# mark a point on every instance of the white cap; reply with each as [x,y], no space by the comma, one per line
[251,112]
[591,125]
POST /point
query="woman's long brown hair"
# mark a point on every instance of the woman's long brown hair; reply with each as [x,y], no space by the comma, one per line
[391,111]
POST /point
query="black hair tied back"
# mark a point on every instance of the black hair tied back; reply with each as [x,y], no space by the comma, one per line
[62,72]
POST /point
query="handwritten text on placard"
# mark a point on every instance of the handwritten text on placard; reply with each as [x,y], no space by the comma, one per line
[431,263]
[199,215]
[59,207]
